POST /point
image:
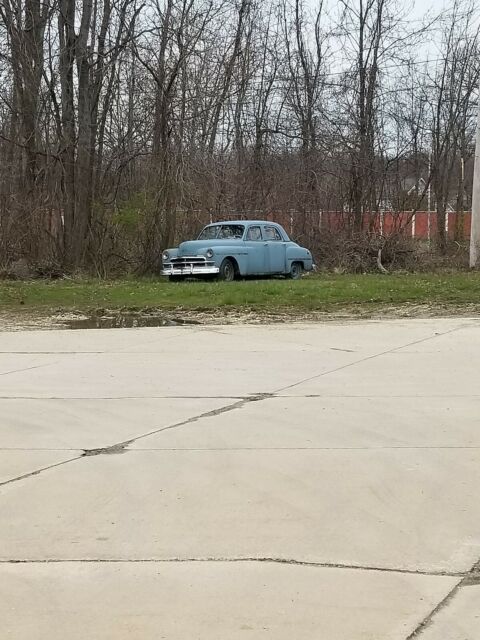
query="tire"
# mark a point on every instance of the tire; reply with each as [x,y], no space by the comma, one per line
[175,278]
[227,271]
[296,271]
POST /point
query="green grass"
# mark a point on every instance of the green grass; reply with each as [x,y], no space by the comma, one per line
[320,292]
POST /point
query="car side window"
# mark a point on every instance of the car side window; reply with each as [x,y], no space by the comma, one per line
[254,233]
[271,233]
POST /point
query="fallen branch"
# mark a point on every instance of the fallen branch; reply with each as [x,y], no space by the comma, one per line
[379,263]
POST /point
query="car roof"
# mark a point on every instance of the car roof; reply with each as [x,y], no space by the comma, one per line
[244,222]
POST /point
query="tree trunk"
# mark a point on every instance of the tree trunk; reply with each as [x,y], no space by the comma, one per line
[66,19]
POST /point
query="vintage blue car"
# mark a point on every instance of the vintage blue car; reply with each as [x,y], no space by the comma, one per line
[227,250]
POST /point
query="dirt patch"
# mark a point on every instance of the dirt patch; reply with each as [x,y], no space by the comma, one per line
[99,319]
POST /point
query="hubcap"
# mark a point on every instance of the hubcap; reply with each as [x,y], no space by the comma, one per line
[228,271]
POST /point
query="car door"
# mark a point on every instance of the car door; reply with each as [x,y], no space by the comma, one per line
[276,250]
[257,255]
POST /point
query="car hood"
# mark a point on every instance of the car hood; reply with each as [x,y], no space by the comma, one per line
[195,247]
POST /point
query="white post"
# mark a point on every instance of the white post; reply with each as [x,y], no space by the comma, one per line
[475,226]
[429,190]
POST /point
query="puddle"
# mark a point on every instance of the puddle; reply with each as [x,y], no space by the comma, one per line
[124,321]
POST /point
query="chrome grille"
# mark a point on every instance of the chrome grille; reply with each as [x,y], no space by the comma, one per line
[188,260]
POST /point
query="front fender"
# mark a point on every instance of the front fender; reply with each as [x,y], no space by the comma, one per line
[172,253]
[239,254]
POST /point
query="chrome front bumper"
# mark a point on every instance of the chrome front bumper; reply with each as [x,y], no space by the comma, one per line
[188,270]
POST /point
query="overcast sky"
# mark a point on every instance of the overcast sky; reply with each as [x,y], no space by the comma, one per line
[418,10]
[412,10]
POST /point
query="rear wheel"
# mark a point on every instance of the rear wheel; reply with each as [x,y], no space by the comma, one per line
[227,271]
[175,278]
[296,271]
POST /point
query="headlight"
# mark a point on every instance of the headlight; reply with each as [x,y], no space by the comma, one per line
[209,253]
[165,256]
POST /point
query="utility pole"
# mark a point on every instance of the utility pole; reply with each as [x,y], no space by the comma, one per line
[475,227]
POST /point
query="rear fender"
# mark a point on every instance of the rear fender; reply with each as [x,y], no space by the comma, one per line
[299,254]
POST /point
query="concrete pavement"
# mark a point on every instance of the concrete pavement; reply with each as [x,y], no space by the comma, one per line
[289,481]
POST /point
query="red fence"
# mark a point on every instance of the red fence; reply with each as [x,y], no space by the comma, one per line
[422,225]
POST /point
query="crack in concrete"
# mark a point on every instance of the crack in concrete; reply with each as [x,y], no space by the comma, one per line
[95,398]
[385,448]
[465,579]
[54,353]
[208,414]
[38,471]
[121,446]
[383,396]
[367,358]
[113,449]
[38,366]
[472,579]
[428,619]
[260,559]
[469,578]
[273,394]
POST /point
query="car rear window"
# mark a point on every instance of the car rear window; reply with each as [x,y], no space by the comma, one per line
[271,233]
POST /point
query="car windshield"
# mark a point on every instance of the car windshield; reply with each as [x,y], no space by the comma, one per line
[221,231]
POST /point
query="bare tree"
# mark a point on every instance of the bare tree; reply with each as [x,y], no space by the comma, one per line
[454,82]
[125,124]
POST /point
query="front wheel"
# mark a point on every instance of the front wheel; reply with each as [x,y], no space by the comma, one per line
[296,271]
[227,271]
[175,278]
